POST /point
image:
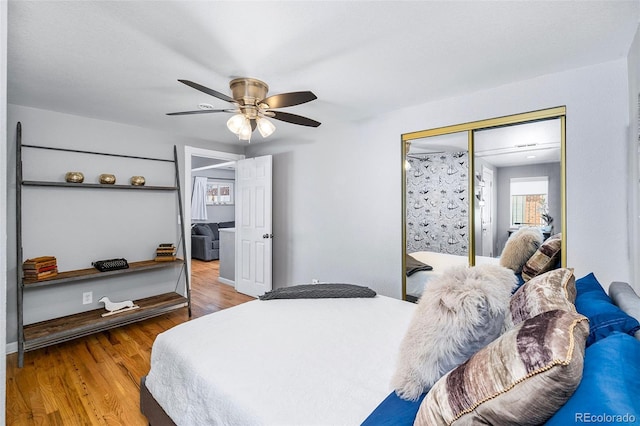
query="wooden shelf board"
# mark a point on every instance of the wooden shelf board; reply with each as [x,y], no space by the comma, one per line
[97,185]
[69,327]
[90,273]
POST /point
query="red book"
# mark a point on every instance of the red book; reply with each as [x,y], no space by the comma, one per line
[46,268]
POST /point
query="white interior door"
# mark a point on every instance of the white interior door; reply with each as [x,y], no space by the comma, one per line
[253,225]
[487,212]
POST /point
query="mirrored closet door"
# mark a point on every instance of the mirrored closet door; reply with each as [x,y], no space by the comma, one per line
[468,187]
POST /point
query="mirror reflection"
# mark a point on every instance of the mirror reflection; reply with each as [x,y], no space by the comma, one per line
[437,207]
[468,187]
[516,182]
[437,195]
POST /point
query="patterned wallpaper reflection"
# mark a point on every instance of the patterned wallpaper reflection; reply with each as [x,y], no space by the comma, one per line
[437,203]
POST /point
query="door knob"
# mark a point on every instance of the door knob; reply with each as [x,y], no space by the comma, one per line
[267,236]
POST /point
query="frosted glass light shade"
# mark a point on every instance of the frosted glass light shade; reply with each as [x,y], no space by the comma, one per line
[235,123]
[245,132]
[265,127]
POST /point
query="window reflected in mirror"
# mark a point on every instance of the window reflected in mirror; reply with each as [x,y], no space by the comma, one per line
[529,201]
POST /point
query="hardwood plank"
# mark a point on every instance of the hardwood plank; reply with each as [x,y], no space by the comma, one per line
[94,380]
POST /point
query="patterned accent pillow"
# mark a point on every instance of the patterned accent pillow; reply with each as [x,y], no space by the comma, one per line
[552,290]
[544,259]
[521,378]
[520,246]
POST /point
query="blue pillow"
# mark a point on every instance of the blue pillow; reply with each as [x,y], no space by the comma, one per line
[519,284]
[604,316]
[610,387]
[394,411]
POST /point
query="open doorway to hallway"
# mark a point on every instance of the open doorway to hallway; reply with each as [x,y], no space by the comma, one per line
[210,208]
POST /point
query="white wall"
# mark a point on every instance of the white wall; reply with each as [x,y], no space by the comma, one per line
[337,201]
[633,62]
[336,208]
[104,224]
[3,197]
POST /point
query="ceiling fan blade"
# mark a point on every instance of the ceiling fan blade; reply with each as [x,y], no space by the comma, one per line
[288,99]
[208,91]
[293,118]
[200,111]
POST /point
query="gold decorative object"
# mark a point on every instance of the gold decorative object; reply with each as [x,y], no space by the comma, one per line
[137,180]
[74,177]
[107,178]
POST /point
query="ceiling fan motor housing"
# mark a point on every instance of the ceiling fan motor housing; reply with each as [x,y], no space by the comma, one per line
[250,91]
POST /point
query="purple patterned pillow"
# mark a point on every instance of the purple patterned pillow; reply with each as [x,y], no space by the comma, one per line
[544,259]
[552,290]
[523,377]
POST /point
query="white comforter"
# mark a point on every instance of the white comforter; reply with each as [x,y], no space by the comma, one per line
[280,362]
[440,262]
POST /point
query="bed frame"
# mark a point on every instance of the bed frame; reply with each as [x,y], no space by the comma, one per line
[155,414]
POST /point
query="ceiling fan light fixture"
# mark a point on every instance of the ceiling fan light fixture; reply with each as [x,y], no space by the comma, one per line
[245,132]
[252,105]
[236,122]
[265,127]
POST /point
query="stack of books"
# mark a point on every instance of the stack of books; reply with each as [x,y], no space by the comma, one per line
[165,252]
[40,268]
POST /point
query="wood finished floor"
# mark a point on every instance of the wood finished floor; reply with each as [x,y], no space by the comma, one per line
[95,380]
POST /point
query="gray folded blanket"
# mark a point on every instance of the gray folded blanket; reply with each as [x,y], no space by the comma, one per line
[626,299]
[319,291]
[413,265]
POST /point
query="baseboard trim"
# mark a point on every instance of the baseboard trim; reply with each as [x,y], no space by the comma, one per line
[12,347]
[227,281]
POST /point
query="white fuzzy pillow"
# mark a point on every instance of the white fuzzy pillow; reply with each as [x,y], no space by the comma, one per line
[520,246]
[458,314]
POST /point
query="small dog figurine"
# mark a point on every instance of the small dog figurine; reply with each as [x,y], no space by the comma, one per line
[116,307]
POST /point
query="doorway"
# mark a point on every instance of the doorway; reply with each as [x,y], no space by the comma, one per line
[190,154]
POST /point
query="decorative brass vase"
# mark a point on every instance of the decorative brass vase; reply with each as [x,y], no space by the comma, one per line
[107,178]
[74,177]
[137,180]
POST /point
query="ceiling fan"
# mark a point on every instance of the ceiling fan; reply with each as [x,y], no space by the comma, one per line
[252,107]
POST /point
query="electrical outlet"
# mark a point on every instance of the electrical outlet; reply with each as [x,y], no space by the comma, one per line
[87,297]
[315,281]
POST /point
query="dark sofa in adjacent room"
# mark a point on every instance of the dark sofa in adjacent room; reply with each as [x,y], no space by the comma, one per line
[205,240]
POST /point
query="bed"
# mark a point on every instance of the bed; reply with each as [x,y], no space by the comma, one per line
[439,262]
[330,362]
[308,373]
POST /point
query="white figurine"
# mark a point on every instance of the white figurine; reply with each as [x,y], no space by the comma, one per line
[117,307]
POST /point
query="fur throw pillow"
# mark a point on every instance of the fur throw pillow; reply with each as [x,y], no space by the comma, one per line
[520,246]
[458,314]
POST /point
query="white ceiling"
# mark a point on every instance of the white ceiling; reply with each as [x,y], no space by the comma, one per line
[120,60]
[522,144]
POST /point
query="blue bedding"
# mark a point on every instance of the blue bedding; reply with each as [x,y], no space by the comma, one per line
[610,386]
[394,411]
